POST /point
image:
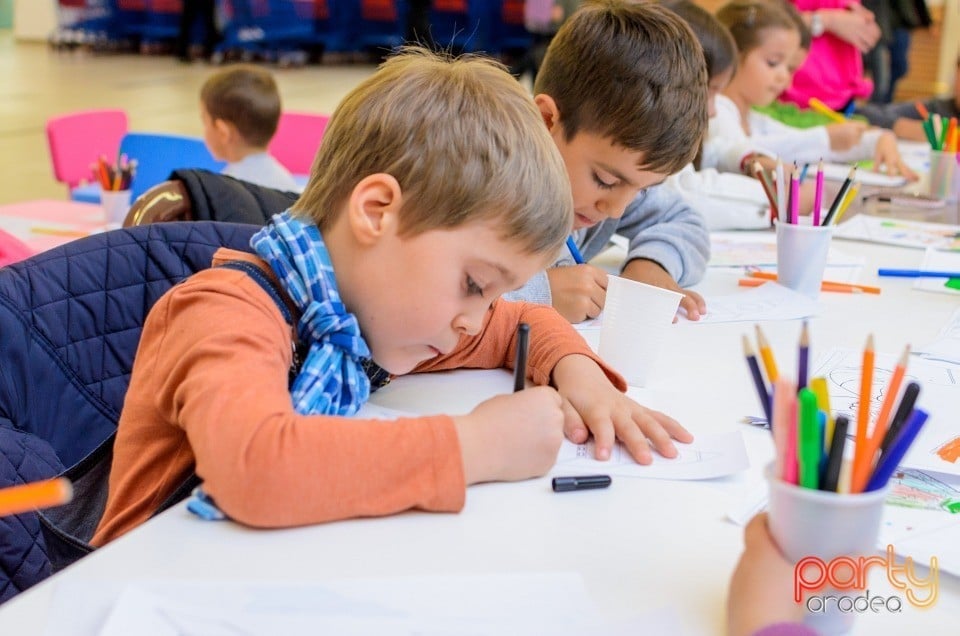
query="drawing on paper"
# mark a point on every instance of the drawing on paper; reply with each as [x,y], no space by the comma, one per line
[950,451]
[918,489]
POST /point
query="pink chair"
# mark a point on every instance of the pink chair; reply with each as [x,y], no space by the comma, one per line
[76,140]
[297,139]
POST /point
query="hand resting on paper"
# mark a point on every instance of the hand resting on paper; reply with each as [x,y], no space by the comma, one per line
[578,291]
[592,405]
[651,273]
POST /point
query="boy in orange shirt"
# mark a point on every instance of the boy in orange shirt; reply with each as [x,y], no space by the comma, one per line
[437,188]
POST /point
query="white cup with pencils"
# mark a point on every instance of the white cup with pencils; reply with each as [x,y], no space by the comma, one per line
[115,191]
[802,251]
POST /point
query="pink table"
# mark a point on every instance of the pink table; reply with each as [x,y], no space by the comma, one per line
[47,223]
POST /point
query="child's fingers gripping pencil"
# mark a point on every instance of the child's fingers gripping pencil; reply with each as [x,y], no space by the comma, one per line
[520,365]
[41,494]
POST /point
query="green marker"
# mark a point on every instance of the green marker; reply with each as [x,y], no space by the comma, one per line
[810,447]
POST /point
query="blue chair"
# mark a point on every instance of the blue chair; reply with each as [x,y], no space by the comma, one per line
[159,154]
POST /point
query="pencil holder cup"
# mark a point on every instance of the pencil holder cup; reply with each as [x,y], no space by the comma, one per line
[636,317]
[116,204]
[802,256]
[813,528]
[944,176]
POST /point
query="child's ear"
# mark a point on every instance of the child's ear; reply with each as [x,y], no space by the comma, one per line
[374,208]
[548,110]
[225,130]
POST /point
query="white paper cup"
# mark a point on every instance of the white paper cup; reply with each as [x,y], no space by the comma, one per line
[635,321]
[116,204]
[826,525]
[802,256]
[944,176]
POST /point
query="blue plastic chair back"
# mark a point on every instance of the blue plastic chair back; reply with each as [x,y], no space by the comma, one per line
[159,154]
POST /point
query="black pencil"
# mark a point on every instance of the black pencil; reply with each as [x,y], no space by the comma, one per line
[831,474]
[903,412]
[520,367]
[839,198]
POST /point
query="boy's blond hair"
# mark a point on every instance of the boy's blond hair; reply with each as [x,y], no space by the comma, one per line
[247,97]
[463,139]
[632,73]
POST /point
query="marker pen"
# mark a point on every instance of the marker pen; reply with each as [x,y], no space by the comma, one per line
[580,482]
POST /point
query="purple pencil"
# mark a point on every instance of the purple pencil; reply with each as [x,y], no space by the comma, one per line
[804,357]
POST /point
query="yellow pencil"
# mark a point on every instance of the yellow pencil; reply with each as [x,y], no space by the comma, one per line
[766,354]
[851,195]
[57,231]
[819,388]
[40,494]
[818,106]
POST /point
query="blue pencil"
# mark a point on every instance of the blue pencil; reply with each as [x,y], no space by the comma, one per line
[572,246]
[891,459]
[916,273]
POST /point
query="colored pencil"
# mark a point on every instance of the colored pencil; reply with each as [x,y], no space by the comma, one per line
[839,198]
[784,396]
[804,356]
[863,412]
[761,175]
[781,193]
[847,200]
[574,250]
[922,110]
[889,462]
[818,194]
[831,475]
[818,106]
[520,364]
[791,466]
[828,285]
[819,388]
[916,273]
[40,494]
[880,425]
[758,382]
[766,354]
[810,447]
[794,200]
[907,403]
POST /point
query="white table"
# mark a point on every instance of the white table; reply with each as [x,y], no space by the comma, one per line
[639,545]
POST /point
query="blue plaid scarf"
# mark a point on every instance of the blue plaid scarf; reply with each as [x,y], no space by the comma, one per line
[332,380]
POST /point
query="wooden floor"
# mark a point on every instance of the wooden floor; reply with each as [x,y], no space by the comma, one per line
[158,93]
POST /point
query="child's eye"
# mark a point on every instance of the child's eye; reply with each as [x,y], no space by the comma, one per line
[601,183]
[472,288]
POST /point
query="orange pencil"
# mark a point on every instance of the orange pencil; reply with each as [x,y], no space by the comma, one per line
[769,364]
[40,494]
[863,413]
[922,110]
[828,285]
[880,426]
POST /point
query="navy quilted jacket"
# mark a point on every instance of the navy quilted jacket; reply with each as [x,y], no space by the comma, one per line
[70,322]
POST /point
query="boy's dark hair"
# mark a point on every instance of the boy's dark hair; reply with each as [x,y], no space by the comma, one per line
[633,74]
[719,49]
[247,97]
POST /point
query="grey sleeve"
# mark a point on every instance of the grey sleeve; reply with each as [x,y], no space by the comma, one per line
[537,290]
[885,115]
[662,227]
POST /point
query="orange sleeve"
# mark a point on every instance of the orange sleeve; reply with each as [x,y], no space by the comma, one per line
[495,347]
[221,370]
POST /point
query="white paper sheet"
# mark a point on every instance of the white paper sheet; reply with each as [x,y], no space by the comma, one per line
[941,261]
[937,447]
[917,234]
[770,301]
[427,605]
[709,456]
[840,171]
[946,346]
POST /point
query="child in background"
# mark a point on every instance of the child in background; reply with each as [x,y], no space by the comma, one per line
[240,109]
[622,90]
[768,40]
[484,204]
[903,117]
[726,200]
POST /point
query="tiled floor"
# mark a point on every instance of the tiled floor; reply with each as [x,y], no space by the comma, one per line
[158,93]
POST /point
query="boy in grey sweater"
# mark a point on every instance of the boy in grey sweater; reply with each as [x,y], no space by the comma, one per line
[623,91]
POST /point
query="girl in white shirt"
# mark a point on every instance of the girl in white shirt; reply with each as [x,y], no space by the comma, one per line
[769,42]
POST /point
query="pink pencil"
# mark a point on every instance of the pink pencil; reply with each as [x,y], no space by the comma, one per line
[818,195]
[791,467]
[783,391]
[794,195]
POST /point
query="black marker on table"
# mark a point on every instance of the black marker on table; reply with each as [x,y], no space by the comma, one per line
[580,482]
[520,367]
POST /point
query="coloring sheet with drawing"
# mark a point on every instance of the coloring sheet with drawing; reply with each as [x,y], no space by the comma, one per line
[769,301]
[917,234]
[937,448]
[946,346]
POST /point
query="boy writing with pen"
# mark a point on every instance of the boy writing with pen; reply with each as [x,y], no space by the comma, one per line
[474,205]
[623,92]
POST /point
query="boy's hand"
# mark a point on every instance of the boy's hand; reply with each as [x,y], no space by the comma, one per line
[650,272]
[761,590]
[846,135]
[887,157]
[578,291]
[511,437]
[592,404]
